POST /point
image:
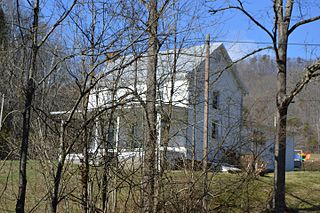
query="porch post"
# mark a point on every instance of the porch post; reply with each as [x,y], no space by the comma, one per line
[96,137]
[117,134]
[158,154]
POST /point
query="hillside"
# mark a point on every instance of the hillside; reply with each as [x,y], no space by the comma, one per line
[259,76]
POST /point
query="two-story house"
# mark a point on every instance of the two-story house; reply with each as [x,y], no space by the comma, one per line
[180,83]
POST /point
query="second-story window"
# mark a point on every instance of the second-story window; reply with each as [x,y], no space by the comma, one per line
[214,130]
[215,99]
[111,134]
[134,135]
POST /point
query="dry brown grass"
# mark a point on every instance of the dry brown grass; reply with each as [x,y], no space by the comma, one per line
[228,192]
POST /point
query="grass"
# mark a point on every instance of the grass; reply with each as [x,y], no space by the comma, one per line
[37,187]
[315,156]
[227,192]
[303,190]
[9,184]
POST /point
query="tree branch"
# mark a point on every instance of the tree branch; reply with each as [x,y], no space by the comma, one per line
[55,67]
[300,23]
[245,12]
[288,12]
[248,55]
[275,29]
[310,72]
[220,72]
[63,16]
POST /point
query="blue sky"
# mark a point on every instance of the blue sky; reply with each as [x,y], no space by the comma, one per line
[236,27]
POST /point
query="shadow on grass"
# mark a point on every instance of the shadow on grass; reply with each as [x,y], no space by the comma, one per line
[308,209]
[313,208]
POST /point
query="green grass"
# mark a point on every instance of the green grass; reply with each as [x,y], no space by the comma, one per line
[227,192]
[315,156]
[303,190]
[9,184]
[37,187]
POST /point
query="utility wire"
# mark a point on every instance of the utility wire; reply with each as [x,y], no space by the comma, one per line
[250,42]
[262,42]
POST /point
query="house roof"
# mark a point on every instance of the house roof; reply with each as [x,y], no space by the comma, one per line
[187,60]
[233,70]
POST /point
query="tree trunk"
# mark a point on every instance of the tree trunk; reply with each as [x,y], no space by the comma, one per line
[24,147]
[107,144]
[280,161]
[57,180]
[105,181]
[84,167]
[282,107]
[151,139]
[86,190]
[280,143]
[194,116]
[29,92]
[58,176]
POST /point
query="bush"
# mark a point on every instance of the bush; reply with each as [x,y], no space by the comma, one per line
[313,165]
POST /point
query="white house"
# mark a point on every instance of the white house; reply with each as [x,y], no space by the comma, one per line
[123,94]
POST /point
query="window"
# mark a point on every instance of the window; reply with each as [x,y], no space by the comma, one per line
[111,134]
[134,135]
[214,130]
[160,94]
[228,112]
[215,99]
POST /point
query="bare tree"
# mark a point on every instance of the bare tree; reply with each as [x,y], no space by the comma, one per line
[282,28]
[151,139]
[103,79]
[29,95]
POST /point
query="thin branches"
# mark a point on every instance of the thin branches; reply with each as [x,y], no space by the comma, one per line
[310,72]
[303,22]
[220,72]
[246,13]
[58,22]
